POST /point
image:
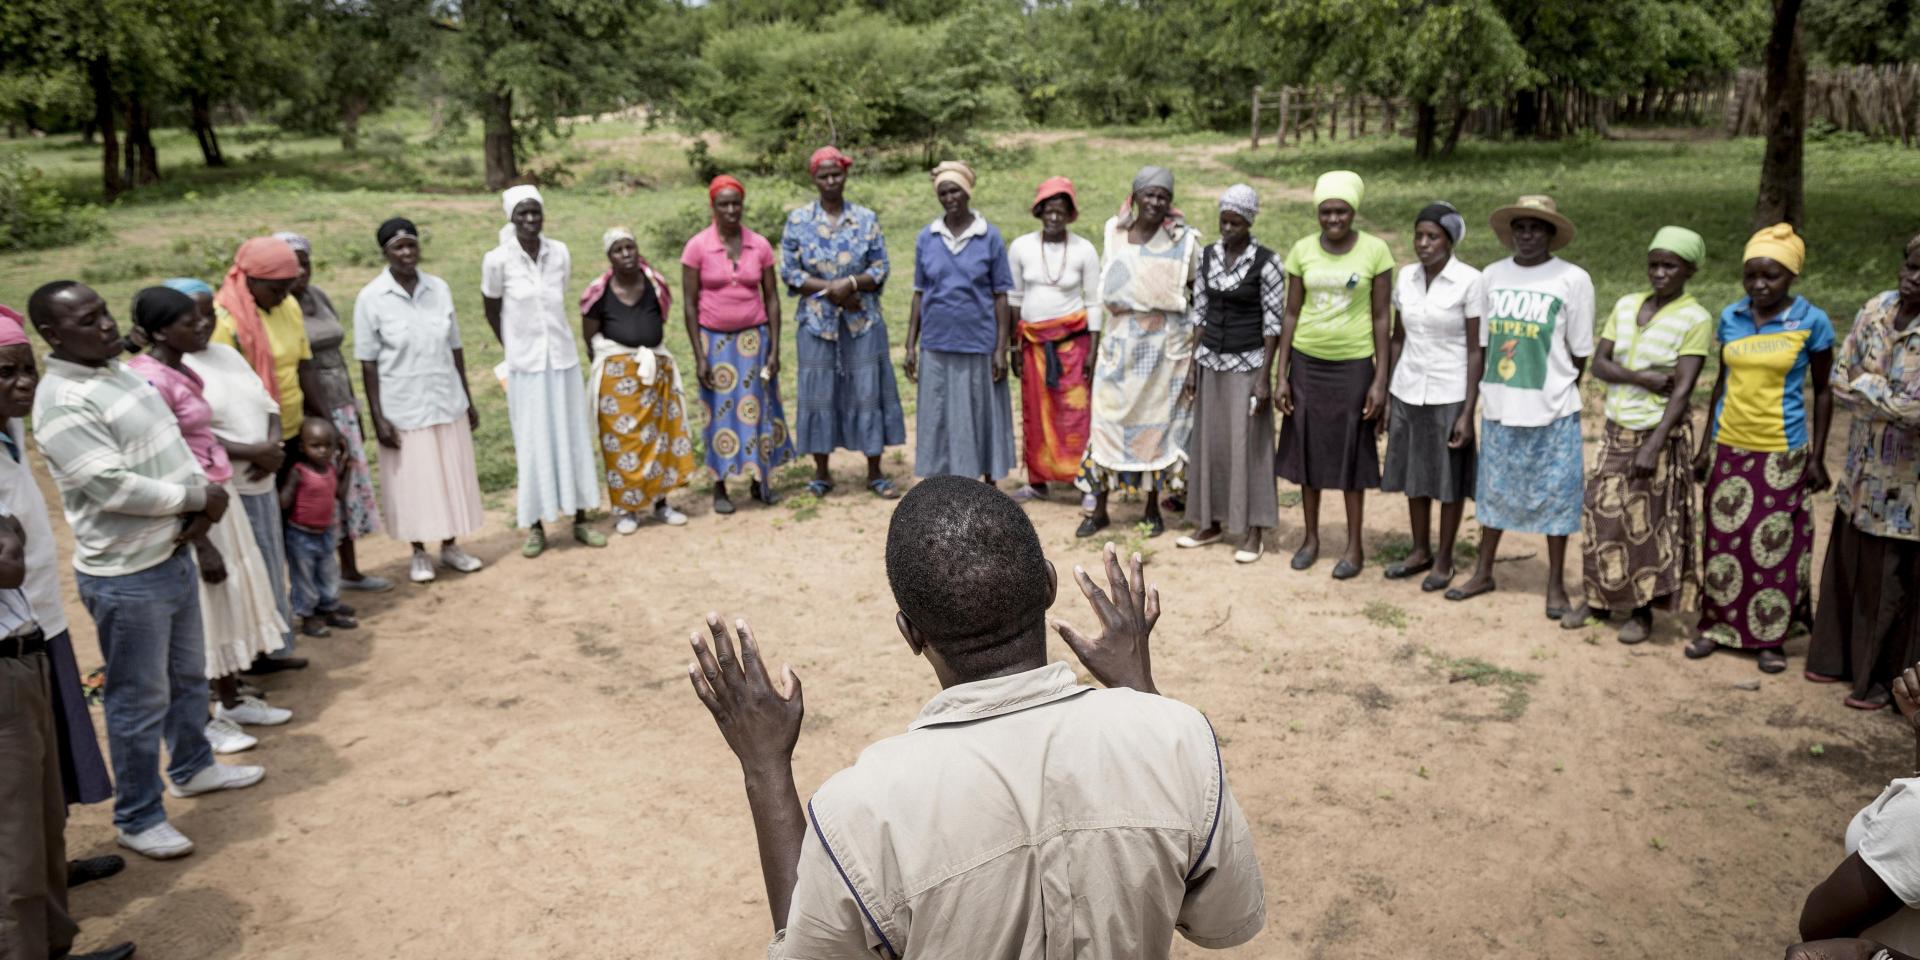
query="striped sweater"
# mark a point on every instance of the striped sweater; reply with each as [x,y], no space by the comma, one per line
[124,473]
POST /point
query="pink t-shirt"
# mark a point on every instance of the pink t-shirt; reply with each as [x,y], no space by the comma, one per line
[313,497]
[183,391]
[729,292]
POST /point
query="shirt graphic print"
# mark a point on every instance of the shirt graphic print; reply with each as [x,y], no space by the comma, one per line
[1520,326]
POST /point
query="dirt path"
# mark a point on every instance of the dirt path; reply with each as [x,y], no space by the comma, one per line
[510,764]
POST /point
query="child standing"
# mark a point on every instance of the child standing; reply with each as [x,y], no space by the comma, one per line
[310,498]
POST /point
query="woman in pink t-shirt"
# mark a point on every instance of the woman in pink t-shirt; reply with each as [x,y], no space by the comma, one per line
[240,616]
[732,309]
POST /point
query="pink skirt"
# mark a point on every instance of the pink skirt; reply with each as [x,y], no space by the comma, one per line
[429,490]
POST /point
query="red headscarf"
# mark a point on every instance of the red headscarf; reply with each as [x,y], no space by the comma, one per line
[262,258]
[826,153]
[13,327]
[724,182]
[1055,187]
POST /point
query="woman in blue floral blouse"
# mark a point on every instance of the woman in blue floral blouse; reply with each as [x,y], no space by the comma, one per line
[834,257]
[1867,626]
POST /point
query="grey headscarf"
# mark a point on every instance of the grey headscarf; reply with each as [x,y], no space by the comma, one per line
[296,241]
[1153,177]
[1241,199]
[1443,215]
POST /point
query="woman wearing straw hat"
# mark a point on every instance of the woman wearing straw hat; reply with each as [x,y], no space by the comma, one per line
[1239,300]
[1538,335]
[957,338]
[1637,547]
[1056,313]
[1332,391]
[1764,458]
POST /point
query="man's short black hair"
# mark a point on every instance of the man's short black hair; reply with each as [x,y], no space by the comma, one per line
[40,304]
[966,567]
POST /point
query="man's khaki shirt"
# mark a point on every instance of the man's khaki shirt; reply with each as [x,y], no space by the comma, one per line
[1028,816]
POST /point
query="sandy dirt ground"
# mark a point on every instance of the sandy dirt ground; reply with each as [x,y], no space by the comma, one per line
[511,764]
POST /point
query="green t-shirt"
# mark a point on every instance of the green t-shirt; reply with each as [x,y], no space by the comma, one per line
[1336,318]
[1682,328]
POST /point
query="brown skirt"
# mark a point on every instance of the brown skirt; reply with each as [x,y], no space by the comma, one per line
[1637,539]
[1866,628]
[1324,443]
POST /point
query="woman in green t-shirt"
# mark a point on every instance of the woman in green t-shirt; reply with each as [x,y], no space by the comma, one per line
[1331,392]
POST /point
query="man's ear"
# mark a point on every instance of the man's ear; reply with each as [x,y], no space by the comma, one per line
[915,642]
[1053,583]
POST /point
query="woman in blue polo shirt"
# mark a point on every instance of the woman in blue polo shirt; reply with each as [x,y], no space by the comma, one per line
[957,335]
[1762,459]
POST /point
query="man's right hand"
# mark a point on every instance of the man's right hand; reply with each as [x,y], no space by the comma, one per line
[761,724]
[216,503]
[1118,657]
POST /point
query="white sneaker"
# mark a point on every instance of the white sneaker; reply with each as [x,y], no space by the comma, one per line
[160,842]
[665,513]
[226,737]
[422,570]
[625,524]
[459,559]
[254,712]
[218,776]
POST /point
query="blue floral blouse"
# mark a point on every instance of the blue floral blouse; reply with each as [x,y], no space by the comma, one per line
[814,246]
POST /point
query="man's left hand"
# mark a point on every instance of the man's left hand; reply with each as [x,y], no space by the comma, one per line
[761,724]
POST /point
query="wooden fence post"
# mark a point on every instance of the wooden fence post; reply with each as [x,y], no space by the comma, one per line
[1256,117]
[1286,116]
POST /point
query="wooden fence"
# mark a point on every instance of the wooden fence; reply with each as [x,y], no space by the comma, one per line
[1301,112]
[1882,102]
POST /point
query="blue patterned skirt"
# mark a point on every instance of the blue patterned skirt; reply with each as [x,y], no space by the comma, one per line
[746,425]
[1529,478]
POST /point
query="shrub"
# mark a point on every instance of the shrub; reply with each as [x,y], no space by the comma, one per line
[33,215]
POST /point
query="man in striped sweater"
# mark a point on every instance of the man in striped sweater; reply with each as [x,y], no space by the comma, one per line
[133,495]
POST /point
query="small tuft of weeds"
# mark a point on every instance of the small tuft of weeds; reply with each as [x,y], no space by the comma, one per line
[1393,548]
[805,506]
[1480,673]
[1289,498]
[1422,773]
[1818,750]
[1384,614]
[1658,843]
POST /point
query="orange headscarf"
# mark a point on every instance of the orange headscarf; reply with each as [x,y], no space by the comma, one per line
[262,258]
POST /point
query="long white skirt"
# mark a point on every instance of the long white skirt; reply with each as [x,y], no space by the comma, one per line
[240,615]
[553,447]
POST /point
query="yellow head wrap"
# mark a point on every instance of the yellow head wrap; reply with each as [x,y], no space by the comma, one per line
[1339,185]
[1780,244]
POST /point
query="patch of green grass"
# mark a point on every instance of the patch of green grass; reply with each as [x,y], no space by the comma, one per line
[1480,673]
[1289,498]
[1385,614]
[1393,548]
[805,506]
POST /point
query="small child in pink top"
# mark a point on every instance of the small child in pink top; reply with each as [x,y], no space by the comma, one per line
[310,498]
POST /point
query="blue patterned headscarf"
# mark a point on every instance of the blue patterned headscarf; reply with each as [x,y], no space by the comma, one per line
[188,286]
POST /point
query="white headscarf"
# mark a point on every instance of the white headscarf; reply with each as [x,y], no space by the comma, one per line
[512,197]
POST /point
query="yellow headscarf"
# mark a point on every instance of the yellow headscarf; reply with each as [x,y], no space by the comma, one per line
[954,172]
[1780,244]
[1339,185]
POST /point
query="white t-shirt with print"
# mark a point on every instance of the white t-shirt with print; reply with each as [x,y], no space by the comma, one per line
[1538,320]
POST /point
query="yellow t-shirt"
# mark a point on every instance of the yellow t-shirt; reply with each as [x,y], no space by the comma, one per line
[287,341]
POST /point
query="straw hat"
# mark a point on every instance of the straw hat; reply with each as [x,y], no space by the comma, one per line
[1538,207]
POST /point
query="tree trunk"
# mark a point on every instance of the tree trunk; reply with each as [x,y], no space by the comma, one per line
[1460,115]
[1526,113]
[143,164]
[1425,120]
[100,78]
[497,144]
[351,110]
[202,105]
[1782,197]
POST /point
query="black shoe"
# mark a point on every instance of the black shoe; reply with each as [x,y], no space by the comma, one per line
[265,665]
[93,868]
[121,952]
[1090,526]
[1155,526]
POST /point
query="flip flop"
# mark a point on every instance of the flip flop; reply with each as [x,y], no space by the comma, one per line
[819,487]
[1460,594]
[1402,570]
[1435,581]
[884,488]
[1819,677]
[1875,699]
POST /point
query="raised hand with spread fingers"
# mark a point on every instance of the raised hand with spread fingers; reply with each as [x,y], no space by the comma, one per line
[1128,610]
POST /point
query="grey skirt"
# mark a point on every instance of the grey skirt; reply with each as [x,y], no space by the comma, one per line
[1419,462]
[963,420]
[1230,455]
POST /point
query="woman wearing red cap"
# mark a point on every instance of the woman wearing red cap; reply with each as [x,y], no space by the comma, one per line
[733,319]
[834,257]
[1056,315]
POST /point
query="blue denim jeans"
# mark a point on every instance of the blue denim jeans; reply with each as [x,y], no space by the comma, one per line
[150,633]
[263,514]
[315,570]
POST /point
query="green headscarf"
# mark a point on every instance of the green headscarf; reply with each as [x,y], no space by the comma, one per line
[1680,242]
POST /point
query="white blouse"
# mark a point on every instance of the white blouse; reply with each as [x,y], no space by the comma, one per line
[1055,279]
[1433,359]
